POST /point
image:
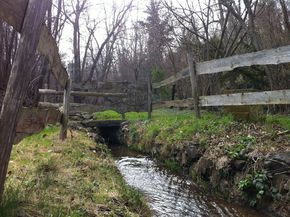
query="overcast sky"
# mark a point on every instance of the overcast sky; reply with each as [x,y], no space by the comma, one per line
[97,11]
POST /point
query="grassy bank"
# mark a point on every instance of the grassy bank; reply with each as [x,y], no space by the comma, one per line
[75,178]
[170,127]
[173,127]
[220,153]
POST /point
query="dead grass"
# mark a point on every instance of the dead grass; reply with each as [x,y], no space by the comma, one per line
[48,177]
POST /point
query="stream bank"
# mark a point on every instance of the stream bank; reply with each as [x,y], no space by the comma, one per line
[167,193]
[170,194]
[246,163]
[76,177]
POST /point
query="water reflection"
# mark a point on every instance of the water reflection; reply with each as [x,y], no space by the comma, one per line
[170,195]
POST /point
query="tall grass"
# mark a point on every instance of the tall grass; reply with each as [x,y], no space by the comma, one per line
[59,179]
[11,201]
[283,121]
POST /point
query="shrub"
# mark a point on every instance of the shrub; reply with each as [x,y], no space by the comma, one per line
[238,150]
[256,186]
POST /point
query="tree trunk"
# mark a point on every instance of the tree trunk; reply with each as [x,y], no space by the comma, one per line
[77,58]
[19,81]
[285,16]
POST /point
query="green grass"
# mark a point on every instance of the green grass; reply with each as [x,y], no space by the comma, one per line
[113,115]
[173,126]
[107,115]
[52,178]
[136,116]
[173,166]
[169,128]
[281,120]
[9,205]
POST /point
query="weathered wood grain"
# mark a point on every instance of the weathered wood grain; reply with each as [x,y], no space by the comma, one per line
[65,112]
[47,47]
[20,76]
[80,93]
[264,57]
[237,99]
[254,98]
[76,107]
[185,103]
[13,13]
[149,96]
[53,116]
[33,120]
[194,84]
[172,79]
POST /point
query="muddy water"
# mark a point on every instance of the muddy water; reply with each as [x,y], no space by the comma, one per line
[171,195]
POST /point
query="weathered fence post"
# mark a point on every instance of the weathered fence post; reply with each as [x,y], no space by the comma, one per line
[65,115]
[193,81]
[18,83]
[149,96]
[45,98]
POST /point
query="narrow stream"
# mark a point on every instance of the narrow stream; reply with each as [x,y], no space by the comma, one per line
[168,194]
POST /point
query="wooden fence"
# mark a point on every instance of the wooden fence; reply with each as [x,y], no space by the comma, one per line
[265,57]
[15,13]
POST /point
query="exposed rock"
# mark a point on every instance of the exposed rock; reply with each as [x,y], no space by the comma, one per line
[280,182]
[222,162]
[224,186]
[238,164]
[204,168]
[287,186]
[81,116]
[278,163]
[75,125]
[191,152]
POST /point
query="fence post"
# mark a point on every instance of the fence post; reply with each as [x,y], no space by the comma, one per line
[19,79]
[193,81]
[65,115]
[149,96]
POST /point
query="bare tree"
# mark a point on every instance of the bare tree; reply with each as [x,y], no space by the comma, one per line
[113,29]
[8,45]
[77,8]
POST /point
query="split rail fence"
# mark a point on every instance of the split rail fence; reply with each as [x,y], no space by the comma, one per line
[264,57]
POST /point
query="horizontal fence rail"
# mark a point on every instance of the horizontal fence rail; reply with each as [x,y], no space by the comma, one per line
[236,99]
[264,57]
[77,107]
[258,98]
[81,93]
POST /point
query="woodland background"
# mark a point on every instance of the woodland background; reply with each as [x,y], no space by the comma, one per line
[128,51]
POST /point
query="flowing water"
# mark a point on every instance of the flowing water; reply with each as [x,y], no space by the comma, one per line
[171,195]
